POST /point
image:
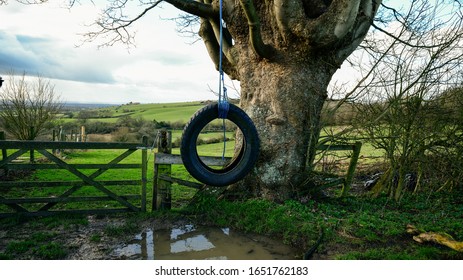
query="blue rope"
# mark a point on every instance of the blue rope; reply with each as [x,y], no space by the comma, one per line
[223,105]
[223,98]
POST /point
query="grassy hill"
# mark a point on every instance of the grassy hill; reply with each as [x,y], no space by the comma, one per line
[169,112]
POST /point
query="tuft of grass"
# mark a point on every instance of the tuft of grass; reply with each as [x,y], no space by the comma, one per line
[50,251]
[95,238]
[127,228]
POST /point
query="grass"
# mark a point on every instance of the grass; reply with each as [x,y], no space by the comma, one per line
[354,227]
[36,246]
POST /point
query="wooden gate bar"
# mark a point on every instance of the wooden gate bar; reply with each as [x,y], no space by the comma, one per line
[27,145]
[63,195]
[45,184]
[113,163]
[15,206]
[37,166]
[12,157]
[86,179]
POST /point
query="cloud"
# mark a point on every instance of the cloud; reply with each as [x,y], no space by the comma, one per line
[51,58]
[13,55]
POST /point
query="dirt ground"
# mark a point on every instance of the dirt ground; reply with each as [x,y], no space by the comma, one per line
[80,241]
[87,241]
[82,247]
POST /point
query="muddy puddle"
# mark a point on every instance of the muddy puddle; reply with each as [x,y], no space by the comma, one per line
[189,242]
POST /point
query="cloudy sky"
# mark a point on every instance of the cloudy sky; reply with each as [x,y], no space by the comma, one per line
[163,67]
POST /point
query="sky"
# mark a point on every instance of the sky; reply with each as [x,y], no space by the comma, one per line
[163,67]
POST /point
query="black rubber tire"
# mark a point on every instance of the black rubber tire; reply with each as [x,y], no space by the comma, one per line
[240,165]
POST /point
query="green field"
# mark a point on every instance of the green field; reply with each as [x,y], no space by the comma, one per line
[168,112]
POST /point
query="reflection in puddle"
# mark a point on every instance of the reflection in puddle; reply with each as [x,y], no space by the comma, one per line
[189,242]
[196,243]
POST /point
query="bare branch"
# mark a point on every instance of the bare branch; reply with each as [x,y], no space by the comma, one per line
[113,25]
[403,41]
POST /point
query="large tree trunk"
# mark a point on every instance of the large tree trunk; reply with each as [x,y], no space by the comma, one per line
[284,98]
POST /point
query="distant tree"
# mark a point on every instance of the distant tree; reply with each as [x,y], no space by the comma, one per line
[25,105]
[84,115]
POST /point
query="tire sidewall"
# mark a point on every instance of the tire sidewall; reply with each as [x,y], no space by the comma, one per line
[241,165]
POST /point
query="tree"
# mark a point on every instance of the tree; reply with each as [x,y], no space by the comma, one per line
[408,72]
[25,105]
[284,54]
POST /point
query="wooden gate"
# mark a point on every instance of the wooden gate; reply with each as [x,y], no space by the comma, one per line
[106,190]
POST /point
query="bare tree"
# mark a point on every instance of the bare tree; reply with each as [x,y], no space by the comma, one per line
[26,107]
[409,70]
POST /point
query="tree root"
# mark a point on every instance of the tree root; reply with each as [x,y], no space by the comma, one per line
[439,238]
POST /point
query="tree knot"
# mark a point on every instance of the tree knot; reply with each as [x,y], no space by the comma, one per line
[275,119]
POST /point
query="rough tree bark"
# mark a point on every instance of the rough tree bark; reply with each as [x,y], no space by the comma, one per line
[284,53]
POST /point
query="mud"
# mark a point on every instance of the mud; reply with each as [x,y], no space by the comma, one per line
[150,238]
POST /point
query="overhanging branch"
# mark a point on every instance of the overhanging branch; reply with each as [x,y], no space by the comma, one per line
[195,8]
[208,34]
[255,36]
[227,42]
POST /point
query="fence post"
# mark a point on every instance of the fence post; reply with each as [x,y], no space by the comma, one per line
[31,155]
[352,165]
[82,134]
[161,188]
[61,137]
[54,139]
[4,153]
[144,169]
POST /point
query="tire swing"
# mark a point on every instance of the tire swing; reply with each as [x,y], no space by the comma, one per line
[239,166]
[244,160]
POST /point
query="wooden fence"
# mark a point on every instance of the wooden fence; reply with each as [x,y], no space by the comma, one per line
[163,179]
[40,206]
